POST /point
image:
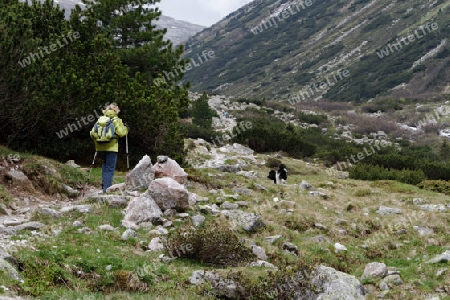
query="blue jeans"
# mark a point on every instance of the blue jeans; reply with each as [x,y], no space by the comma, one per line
[109,160]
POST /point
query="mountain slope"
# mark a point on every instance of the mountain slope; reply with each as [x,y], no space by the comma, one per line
[177,31]
[288,50]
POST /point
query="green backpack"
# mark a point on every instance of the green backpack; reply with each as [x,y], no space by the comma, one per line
[103,131]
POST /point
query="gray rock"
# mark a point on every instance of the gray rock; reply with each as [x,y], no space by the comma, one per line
[387,211]
[72,164]
[106,227]
[80,208]
[142,209]
[119,187]
[262,263]
[339,248]
[290,247]
[4,210]
[198,220]
[129,233]
[320,226]
[433,207]
[156,244]
[170,212]
[168,193]
[167,167]
[248,174]
[242,191]
[229,205]
[7,263]
[392,280]
[305,185]
[273,239]
[259,187]
[375,270]
[417,201]
[140,177]
[25,226]
[49,212]
[248,221]
[230,168]
[72,193]
[77,224]
[17,177]
[317,239]
[340,222]
[384,286]
[423,230]
[182,215]
[319,194]
[441,258]
[259,252]
[338,285]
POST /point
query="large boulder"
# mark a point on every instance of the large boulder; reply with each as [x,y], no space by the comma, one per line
[140,177]
[142,209]
[6,265]
[167,167]
[168,193]
[337,285]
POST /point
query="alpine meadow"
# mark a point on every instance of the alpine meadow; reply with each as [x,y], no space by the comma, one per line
[295,149]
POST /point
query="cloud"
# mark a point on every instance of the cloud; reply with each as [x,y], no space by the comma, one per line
[199,11]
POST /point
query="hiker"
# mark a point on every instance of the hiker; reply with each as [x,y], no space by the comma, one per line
[107,148]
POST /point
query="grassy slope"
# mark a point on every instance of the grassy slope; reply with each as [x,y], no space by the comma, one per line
[71,265]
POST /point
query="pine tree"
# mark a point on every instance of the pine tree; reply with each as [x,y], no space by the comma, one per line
[201,112]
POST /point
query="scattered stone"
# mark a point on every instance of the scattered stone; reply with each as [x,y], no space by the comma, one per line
[441,258]
[242,191]
[384,286]
[170,212]
[259,252]
[317,239]
[198,220]
[168,224]
[248,221]
[290,247]
[273,239]
[441,272]
[119,187]
[213,192]
[49,212]
[159,230]
[320,194]
[249,174]
[392,280]
[80,208]
[25,226]
[305,185]
[338,248]
[230,168]
[156,244]
[77,224]
[72,164]
[106,227]
[386,211]
[17,177]
[182,215]
[417,201]
[262,263]
[320,226]
[229,206]
[242,203]
[4,210]
[433,207]
[375,270]
[336,285]
[72,193]
[129,233]
[259,187]
[423,230]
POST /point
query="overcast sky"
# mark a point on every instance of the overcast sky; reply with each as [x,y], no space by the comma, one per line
[202,12]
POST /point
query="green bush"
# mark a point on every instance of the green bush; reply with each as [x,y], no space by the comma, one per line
[311,119]
[370,172]
[212,245]
[439,186]
[197,132]
[273,162]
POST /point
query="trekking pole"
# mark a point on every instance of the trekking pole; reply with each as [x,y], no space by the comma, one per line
[126,149]
[89,176]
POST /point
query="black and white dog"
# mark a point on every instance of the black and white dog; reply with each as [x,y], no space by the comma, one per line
[279,176]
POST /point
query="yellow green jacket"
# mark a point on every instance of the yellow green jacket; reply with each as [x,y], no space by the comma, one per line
[119,129]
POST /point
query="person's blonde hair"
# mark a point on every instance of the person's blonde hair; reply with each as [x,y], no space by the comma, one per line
[112,106]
